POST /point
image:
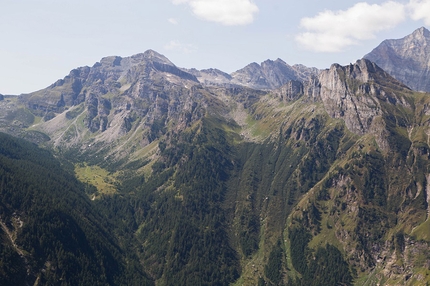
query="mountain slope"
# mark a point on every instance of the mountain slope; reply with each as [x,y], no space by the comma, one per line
[49,230]
[406,59]
[373,203]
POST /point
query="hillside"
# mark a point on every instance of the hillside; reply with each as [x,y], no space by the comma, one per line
[50,233]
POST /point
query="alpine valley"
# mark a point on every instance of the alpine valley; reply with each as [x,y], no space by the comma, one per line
[137,172]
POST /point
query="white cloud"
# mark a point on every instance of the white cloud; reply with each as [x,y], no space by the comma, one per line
[226,12]
[333,31]
[178,46]
[173,21]
[420,10]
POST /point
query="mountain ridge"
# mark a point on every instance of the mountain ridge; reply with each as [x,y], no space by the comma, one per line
[218,181]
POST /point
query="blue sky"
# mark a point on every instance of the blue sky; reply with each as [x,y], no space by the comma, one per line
[42,40]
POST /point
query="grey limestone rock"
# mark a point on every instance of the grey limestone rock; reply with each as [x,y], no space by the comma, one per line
[354,93]
[290,91]
[406,59]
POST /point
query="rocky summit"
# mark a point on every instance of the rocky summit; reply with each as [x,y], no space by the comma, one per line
[406,59]
[265,76]
[271,175]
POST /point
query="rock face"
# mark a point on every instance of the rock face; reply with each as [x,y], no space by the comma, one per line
[353,93]
[406,59]
[290,91]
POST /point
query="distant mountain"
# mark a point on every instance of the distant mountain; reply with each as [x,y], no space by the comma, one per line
[110,75]
[406,59]
[273,175]
[271,74]
[268,75]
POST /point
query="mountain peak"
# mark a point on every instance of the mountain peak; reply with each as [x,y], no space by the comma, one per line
[280,61]
[368,66]
[149,55]
[418,38]
[271,74]
[421,32]
[406,59]
[155,56]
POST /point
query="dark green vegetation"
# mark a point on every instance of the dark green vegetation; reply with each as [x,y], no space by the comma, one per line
[50,231]
[324,267]
[217,185]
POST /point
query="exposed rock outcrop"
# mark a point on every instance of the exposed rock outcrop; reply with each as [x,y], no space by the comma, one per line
[290,91]
[353,93]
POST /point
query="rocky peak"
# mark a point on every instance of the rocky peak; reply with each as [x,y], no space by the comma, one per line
[150,58]
[421,33]
[406,59]
[155,57]
[271,63]
[162,64]
[251,76]
[363,70]
[249,69]
[126,63]
[353,93]
[278,72]
[270,74]
[105,81]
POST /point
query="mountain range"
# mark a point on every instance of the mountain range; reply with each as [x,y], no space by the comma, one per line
[271,175]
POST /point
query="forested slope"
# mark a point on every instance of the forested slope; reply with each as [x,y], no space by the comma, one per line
[50,232]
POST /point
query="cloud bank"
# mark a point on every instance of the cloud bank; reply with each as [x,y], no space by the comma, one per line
[226,12]
[420,10]
[333,31]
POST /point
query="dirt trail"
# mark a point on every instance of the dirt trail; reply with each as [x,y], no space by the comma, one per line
[15,246]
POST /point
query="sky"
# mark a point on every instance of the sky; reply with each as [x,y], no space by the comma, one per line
[41,41]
